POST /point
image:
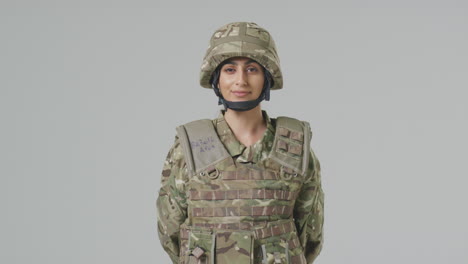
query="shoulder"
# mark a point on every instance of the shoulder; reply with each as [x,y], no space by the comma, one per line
[174,165]
[285,119]
[175,157]
[197,121]
[291,119]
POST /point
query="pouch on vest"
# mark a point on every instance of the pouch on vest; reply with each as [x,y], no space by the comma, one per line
[275,252]
[200,247]
[285,250]
[234,247]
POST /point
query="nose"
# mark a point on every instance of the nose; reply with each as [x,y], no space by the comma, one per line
[241,78]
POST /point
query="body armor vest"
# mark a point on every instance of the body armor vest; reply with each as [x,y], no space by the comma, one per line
[242,213]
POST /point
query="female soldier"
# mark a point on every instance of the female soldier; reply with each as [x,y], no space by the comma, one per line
[244,187]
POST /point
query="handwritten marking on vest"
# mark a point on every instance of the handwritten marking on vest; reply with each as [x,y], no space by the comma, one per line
[203,144]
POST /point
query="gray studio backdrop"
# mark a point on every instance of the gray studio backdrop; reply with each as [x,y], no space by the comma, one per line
[91,93]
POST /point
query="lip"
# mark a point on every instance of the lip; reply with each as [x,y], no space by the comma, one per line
[240,93]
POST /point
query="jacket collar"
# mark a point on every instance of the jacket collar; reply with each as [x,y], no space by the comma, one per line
[235,148]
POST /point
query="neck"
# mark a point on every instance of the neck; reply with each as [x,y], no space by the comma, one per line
[245,122]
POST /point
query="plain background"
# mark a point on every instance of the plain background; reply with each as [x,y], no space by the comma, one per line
[91,93]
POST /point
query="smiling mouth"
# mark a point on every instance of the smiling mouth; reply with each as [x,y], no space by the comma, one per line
[240,94]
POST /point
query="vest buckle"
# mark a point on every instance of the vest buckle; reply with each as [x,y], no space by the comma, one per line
[211,172]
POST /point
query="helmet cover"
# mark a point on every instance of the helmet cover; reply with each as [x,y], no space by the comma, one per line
[241,39]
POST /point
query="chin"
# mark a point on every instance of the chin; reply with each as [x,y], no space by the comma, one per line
[240,99]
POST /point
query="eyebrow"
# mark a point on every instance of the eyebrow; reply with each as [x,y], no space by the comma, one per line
[234,63]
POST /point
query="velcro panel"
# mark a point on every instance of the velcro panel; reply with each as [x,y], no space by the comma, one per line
[205,146]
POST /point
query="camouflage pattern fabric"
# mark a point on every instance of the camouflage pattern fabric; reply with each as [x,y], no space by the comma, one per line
[247,210]
[245,39]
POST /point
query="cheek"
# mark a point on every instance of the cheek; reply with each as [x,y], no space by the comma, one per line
[222,86]
[259,83]
[224,83]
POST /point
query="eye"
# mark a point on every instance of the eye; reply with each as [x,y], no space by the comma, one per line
[252,69]
[229,70]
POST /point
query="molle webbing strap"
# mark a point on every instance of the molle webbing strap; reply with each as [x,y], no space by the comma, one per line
[201,145]
[274,230]
[242,211]
[291,145]
[232,226]
[259,233]
[242,194]
[246,174]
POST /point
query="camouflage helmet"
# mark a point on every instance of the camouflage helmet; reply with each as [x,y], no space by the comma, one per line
[245,39]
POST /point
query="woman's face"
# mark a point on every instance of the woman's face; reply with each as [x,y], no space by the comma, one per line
[241,79]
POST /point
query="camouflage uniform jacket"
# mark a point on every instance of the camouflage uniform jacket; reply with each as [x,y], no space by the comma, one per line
[174,206]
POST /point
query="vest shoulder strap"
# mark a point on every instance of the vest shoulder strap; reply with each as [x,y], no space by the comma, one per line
[291,145]
[201,144]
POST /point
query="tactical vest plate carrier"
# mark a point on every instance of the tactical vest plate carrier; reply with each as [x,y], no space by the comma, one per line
[242,213]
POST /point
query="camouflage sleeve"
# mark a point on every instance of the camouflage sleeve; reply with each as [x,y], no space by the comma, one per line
[308,211]
[171,202]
